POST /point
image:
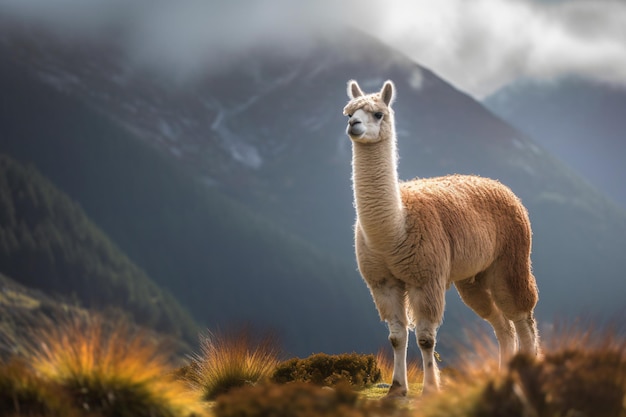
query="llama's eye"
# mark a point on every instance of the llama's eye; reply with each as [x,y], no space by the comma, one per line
[378,115]
[350,115]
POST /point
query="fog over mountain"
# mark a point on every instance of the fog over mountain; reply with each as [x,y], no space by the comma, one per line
[478,46]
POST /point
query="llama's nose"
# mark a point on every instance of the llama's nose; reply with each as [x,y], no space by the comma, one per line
[355,127]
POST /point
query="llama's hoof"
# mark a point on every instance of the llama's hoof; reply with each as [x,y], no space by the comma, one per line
[396,391]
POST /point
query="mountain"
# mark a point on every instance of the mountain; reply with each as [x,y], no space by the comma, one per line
[224,263]
[581,122]
[263,144]
[47,242]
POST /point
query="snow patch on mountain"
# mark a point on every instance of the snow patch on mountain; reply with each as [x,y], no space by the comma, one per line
[240,151]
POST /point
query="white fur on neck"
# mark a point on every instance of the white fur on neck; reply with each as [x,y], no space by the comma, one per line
[377,192]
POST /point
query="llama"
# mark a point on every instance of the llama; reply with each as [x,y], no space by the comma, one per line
[414,239]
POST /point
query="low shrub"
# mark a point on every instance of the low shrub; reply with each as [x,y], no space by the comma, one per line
[330,370]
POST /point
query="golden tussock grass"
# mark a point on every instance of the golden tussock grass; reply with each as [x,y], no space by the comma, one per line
[111,370]
[230,360]
[82,366]
[22,393]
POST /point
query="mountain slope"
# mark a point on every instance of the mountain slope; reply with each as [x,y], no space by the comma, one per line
[581,122]
[224,263]
[48,243]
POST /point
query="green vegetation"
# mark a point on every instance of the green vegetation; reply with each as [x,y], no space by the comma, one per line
[47,242]
[330,370]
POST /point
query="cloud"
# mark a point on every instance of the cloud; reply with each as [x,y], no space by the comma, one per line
[183,36]
[478,46]
[484,44]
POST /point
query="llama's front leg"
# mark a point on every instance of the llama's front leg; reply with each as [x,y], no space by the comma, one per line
[426,334]
[398,337]
[428,307]
[390,299]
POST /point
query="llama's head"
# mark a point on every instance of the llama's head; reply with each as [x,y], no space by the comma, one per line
[370,115]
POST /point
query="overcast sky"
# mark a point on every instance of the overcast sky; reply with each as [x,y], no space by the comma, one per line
[477,45]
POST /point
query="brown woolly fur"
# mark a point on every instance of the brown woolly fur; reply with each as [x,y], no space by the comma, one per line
[299,399]
[109,370]
[231,360]
[356,370]
[413,240]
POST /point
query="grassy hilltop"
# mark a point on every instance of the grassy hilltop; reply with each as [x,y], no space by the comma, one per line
[84,366]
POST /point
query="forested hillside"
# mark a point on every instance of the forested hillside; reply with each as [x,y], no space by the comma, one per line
[47,242]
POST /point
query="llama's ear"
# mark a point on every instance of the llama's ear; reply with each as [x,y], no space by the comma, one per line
[387,92]
[353,90]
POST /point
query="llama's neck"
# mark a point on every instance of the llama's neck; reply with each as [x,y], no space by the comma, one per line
[377,197]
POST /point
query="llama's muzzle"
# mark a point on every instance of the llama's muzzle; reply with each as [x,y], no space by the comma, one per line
[355,127]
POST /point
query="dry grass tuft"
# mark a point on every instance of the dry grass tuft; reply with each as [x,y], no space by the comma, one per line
[110,370]
[23,393]
[231,360]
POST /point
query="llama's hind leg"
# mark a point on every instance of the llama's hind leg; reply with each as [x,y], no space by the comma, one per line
[505,334]
[516,298]
[390,298]
[479,299]
[526,328]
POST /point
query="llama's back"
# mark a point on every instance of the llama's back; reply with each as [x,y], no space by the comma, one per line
[475,220]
